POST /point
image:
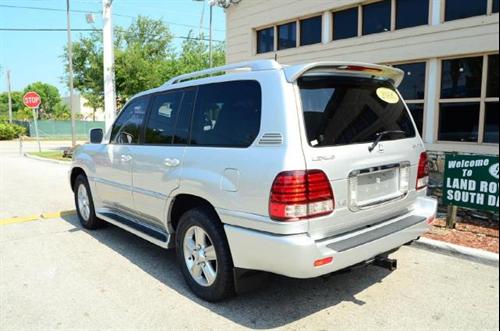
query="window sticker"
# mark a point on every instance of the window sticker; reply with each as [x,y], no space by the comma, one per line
[387,95]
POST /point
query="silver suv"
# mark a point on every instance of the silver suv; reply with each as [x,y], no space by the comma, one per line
[296,170]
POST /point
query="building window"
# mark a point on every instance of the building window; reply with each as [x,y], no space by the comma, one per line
[491,123]
[461,78]
[287,36]
[411,13]
[495,5]
[265,40]
[413,90]
[459,122]
[492,98]
[311,31]
[493,77]
[469,104]
[458,9]
[345,24]
[377,17]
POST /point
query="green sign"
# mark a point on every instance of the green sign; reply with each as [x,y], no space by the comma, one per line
[471,181]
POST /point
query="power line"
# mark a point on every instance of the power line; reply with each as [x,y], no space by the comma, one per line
[95,12]
[46,30]
[89,30]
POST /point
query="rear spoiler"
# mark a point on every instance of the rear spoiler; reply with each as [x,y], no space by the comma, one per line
[293,73]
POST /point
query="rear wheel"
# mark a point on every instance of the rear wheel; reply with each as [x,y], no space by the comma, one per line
[204,255]
[85,204]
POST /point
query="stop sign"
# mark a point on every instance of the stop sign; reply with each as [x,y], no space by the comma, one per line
[32,100]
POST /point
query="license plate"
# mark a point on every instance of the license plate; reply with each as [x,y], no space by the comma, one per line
[377,186]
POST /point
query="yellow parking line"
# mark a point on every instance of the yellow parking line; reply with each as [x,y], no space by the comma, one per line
[45,216]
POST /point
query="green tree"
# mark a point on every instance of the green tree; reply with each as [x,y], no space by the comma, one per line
[195,55]
[50,97]
[17,104]
[145,58]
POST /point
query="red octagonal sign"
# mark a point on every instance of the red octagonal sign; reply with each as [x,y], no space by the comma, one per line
[32,100]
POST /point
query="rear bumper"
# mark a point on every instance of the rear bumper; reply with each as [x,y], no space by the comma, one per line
[294,255]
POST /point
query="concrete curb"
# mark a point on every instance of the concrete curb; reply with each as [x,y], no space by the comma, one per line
[476,255]
[33,157]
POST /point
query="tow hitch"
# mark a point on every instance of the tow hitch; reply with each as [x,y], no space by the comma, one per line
[385,262]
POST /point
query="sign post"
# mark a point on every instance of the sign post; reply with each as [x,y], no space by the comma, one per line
[470,181]
[33,100]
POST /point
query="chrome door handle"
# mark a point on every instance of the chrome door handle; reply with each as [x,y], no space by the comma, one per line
[126,158]
[171,163]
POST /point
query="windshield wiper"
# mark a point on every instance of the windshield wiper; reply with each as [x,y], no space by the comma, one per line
[381,135]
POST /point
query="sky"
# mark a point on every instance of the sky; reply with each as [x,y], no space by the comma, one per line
[36,56]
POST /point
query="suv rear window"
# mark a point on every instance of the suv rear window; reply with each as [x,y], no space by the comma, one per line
[349,110]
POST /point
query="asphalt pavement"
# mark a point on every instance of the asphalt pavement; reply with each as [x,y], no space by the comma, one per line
[30,187]
[54,275]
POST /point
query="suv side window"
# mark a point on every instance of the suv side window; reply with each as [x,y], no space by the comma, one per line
[227,114]
[183,126]
[160,127]
[127,128]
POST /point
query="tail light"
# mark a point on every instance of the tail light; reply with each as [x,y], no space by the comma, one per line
[423,172]
[297,195]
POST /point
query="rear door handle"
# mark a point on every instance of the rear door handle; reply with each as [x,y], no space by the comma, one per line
[126,158]
[171,163]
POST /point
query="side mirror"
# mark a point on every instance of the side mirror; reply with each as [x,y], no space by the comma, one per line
[96,136]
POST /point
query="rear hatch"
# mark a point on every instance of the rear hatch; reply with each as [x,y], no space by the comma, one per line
[361,134]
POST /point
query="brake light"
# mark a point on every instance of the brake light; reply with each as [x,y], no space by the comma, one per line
[360,69]
[423,171]
[297,195]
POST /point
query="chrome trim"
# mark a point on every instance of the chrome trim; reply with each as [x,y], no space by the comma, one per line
[376,170]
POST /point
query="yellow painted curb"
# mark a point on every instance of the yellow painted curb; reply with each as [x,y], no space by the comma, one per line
[45,216]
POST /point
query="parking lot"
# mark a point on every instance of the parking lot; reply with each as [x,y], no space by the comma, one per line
[56,275]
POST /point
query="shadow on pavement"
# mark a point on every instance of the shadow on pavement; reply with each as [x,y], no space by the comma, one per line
[279,302]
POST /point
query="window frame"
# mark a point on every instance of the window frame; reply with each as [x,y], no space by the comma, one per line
[423,101]
[482,101]
[489,11]
[395,16]
[260,29]
[358,23]
[193,112]
[299,28]
[392,17]
[141,129]
[277,35]
[150,111]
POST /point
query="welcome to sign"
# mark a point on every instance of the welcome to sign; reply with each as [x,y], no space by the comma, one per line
[471,181]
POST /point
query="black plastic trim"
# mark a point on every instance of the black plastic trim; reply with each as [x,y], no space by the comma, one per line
[157,234]
[368,237]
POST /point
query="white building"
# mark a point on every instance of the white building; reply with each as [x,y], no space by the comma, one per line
[82,110]
[448,48]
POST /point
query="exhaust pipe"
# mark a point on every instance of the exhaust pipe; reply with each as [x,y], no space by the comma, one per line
[386,263]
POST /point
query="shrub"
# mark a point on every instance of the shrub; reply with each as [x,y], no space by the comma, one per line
[11,131]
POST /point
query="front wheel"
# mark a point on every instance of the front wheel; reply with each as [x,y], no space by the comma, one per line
[85,204]
[204,255]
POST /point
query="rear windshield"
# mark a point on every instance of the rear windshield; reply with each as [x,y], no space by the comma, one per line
[349,110]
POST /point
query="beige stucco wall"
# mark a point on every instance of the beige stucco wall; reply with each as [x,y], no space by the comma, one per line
[467,36]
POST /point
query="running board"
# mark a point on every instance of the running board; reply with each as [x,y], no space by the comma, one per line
[155,236]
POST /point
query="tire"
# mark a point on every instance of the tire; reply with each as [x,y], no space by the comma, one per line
[211,280]
[85,204]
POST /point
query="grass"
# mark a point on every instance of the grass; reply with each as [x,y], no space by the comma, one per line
[52,155]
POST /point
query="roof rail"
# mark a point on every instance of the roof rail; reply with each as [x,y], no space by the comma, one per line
[259,65]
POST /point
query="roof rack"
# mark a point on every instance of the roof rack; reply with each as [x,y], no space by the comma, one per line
[259,65]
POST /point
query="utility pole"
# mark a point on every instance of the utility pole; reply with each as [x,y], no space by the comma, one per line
[109,62]
[210,46]
[70,69]
[9,91]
